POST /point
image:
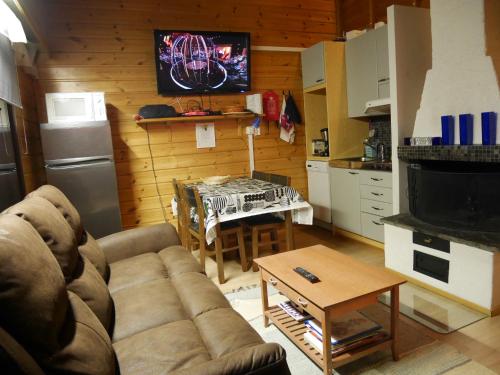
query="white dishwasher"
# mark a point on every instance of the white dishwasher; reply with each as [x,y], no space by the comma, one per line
[318,182]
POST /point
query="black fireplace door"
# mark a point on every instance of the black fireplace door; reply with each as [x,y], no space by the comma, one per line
[462,196]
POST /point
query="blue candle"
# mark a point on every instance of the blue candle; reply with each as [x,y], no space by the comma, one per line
[489,127]
[448,129]
[466,128]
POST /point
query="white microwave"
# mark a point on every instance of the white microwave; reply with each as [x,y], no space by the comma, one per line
[77,106]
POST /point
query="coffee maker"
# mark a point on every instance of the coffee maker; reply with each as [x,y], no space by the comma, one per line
[320,146]
[324,135]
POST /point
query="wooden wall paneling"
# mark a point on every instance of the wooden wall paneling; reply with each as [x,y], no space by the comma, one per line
[28,134]
[126,26]
[108,46]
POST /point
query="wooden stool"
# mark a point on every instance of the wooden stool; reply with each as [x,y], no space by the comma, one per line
[268,223]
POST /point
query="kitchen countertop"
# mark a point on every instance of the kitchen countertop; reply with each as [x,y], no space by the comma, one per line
[489,241]
[357,163]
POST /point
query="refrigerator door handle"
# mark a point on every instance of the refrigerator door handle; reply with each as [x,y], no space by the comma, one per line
[71,161]
[9,168]
[78,165]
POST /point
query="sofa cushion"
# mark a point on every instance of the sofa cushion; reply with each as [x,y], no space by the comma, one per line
[88,284]
[52,227]
[62,203]
[136,270]
[91,250]
[85,344]
[32,289]
[87,245]
[198,294]
[144,306]
[161,350]
[178,259]
[264,359]
[224,331]
[81,276]
[140,240]
[58,330]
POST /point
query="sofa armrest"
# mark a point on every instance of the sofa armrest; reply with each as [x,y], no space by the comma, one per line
[264,359]
[129,243]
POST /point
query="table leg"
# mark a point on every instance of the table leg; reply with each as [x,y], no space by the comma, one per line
[265,300]
[395,322]
[326,327]
[255,248]
[289,231]
[219,259]
[242,250]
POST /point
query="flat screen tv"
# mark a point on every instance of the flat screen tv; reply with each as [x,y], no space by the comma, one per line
[202,62]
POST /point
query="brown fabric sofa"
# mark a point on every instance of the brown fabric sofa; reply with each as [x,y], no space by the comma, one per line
[132,303]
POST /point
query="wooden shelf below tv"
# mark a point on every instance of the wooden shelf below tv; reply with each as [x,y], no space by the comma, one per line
[200,119]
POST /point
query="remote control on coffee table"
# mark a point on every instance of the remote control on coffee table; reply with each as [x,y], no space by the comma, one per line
[312,278]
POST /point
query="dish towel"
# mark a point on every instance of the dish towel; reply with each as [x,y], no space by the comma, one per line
[287,128]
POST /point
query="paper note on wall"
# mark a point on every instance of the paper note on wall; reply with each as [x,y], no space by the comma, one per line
[254,103]
[205,135]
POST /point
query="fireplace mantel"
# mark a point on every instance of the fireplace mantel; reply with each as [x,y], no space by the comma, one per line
[472,153]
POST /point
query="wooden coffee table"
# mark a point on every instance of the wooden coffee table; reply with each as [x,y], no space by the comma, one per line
[346,285]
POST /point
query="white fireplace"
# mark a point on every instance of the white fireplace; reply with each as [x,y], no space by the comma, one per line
[445,61]
[463,77]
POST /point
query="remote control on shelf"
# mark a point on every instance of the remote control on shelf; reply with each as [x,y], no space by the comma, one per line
[307,275]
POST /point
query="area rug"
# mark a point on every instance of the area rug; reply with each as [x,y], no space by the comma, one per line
[420,354]
[432,310]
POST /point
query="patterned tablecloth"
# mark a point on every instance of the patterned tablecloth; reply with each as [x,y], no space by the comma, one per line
[243,197]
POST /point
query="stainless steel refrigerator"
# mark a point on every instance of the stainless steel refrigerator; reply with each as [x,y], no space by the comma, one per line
[10,187]
[79,161]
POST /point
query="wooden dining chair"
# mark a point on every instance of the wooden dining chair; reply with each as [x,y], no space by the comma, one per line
[279,179]
[223,231]
[182,218]
[263,176]
[270,224]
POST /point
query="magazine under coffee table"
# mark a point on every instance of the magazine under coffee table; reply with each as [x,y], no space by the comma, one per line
[346,285]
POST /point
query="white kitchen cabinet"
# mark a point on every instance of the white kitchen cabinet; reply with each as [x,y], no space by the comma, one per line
[367,67]
[345,197]
[372,227]
[376,193]
[376,207]
[361,69]
[360,199]
[382,45]
[313,65]
[376,178]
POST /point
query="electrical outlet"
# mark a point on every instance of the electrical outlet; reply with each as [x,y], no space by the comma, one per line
[251,130]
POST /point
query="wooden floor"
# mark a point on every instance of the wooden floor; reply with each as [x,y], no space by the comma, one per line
[479,341]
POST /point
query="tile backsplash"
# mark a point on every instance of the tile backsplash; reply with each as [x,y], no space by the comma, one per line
[382,127]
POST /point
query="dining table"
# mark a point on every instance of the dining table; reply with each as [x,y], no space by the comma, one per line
[242,197]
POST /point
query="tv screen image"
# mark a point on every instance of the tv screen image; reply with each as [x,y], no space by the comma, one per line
[196,62]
